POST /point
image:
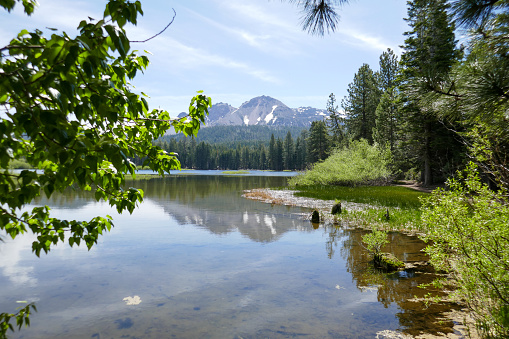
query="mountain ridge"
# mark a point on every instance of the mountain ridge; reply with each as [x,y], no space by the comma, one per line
[260,111]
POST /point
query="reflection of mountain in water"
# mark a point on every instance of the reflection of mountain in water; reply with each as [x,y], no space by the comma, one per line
[215,203]
[210,202]
[402,287]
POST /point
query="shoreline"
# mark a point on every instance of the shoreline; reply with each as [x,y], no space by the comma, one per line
[464,326]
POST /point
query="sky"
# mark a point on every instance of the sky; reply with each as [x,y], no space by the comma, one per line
[235,50]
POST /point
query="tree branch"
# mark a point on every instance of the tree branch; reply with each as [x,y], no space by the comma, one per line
[164,29]
[20,47]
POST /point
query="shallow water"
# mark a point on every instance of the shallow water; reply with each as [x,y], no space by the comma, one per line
[207,263]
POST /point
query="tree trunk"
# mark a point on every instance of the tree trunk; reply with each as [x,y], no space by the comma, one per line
[427,176]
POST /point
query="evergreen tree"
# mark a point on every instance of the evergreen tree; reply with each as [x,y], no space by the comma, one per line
[263,158]
[238,157]
[183,152]
[279,155]
[360,104]
[172,147]
[272,153]
[318,142]
[335,122]
[288,152]
[429,53]
[245,162]
[202,156]
[386,111]
[192,153]
[301,151]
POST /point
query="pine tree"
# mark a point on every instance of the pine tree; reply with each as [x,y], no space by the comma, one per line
[360,104]
[301,151]
[288,152]
[272,153]
[386,112]
[279,154]
[318,142]
[263,158]
[202,156]
[335,122]
[429,53]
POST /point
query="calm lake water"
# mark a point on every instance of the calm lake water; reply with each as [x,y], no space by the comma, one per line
[207,263]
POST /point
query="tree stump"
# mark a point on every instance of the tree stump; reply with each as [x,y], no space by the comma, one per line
[315,217]
[336,209]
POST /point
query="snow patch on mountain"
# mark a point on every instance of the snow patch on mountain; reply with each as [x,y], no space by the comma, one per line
[270,116]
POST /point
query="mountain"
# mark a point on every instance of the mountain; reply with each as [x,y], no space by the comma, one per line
[218,112]
[262,111]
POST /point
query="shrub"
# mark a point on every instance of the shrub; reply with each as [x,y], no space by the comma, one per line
[467,228]
[358,164]
[375,241]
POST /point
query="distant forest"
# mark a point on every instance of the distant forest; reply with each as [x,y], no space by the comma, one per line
[238,135]
[241,147]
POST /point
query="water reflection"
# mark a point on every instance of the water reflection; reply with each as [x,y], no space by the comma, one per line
[205,262]
[210,202]
[401,288]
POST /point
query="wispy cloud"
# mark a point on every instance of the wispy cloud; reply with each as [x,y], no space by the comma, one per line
[192,57]
[254,40]
[365,40]
[254,12]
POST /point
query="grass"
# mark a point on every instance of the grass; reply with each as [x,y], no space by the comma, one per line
[142,176]
[383,196]
[235,172]
[402,203]
[403,220]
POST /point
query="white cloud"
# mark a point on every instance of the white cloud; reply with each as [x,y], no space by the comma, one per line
[248,10]
[254,40]
[365,40]
[191,57]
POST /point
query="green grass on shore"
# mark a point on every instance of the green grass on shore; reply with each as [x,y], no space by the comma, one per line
[401,203]
[383,196]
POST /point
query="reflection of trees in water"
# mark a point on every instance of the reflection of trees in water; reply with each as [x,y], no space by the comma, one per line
[210,202]
[184,188]
[70,198]
[334,235]
[401,287]
[187,188]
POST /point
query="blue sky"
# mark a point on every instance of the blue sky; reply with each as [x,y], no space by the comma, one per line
[235,50]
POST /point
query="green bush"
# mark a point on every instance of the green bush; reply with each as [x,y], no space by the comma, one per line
[358,164]
[375,241]
[467,228]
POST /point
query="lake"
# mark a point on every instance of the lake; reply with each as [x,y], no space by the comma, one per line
[196,260]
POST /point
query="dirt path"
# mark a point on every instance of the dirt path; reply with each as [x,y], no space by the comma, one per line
[418,187]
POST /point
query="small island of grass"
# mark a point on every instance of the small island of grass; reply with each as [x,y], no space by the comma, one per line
[235,172]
